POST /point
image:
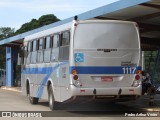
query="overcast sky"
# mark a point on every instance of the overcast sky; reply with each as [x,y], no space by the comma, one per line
[14,13]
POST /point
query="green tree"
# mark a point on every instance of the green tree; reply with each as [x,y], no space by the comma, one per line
[33,24]
[5,32]
[150,62]
[47,19]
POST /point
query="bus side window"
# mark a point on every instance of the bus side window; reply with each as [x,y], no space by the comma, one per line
[47,50]
[34,51]
[29,48]
[56,41]
[34,45]
[23,60]
[40,50]
[41,44]
[65,38]
[48,42]
[64,48]
[55,47]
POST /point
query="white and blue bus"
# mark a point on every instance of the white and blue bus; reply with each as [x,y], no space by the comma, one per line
[2,77]
[83,59]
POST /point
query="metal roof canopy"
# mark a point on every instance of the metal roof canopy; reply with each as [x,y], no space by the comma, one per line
[145,12]
[147,15]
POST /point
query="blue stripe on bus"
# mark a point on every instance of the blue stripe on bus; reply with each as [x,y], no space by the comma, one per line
[43,83]
[41,88]
[47,70]
[37,70]
[82,69]
[79,69]
[102,70]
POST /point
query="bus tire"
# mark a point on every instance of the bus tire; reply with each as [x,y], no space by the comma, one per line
[32,100]
[51,100]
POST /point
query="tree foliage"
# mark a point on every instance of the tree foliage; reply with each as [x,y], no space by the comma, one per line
[150,58]
[33,24]
[6,32]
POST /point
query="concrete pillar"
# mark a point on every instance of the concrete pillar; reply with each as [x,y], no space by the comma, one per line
[9,67]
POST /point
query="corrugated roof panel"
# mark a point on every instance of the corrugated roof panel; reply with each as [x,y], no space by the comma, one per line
[131,12]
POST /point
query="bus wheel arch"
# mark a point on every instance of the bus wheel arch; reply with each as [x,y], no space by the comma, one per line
[32,100]
[52,103]
[27,87]
[48,84]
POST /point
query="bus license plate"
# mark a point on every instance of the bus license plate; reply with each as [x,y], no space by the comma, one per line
[106,79]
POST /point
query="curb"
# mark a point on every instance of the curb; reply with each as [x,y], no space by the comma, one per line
[11,89]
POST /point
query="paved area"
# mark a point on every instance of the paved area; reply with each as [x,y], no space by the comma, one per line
[16,89]
[12,100]
[143,102]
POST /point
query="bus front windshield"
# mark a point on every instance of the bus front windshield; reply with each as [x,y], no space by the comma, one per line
[106,35]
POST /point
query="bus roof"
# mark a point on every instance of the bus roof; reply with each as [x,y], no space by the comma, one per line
[48,32]
[67,26]
[106,21]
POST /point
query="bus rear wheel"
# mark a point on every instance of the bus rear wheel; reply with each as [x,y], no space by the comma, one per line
[51,100]
[32,100]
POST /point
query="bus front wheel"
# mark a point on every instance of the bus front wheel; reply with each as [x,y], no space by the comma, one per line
[52,102]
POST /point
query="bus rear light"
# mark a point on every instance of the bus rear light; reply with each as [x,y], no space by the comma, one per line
[139,72]
[74,72]
[77,83]
[75,77]
[137,77]
[135,83]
